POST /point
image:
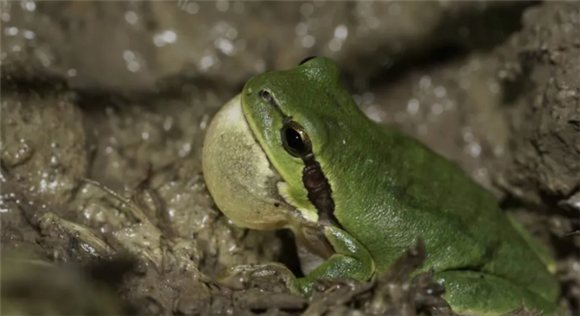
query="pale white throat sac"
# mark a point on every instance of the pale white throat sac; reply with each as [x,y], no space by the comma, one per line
[238,173]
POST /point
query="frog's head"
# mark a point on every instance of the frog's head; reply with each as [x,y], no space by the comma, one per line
[260,159]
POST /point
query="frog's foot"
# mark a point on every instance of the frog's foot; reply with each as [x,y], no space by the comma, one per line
[477,293]
[350,260]
[239,276]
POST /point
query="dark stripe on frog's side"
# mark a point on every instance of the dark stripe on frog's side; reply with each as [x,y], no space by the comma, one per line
[319,191]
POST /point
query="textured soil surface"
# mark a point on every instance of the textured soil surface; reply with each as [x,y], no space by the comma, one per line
[104,107]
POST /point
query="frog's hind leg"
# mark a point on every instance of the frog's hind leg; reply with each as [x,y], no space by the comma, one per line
[539,249]
[477,293]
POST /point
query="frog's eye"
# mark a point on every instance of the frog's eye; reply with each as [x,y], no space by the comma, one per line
[295,140]
[306,60]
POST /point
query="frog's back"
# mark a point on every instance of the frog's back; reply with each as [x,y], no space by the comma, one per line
[411,191]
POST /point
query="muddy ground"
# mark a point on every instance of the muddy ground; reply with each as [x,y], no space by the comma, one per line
[121,93]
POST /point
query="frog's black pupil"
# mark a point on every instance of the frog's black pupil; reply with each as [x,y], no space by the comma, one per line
[294,140]
[307,59]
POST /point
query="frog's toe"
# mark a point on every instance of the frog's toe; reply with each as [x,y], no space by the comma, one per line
[238,277]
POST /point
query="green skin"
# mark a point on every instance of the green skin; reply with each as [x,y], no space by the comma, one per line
[389,190]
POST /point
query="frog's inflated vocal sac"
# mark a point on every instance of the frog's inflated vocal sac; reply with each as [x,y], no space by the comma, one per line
[294,151]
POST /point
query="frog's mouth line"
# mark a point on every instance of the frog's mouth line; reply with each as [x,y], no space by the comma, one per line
[319,191]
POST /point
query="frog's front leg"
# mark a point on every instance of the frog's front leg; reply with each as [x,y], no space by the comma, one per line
[350,260]
[478,293]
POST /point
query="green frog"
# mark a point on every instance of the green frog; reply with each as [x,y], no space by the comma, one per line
[294,151]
